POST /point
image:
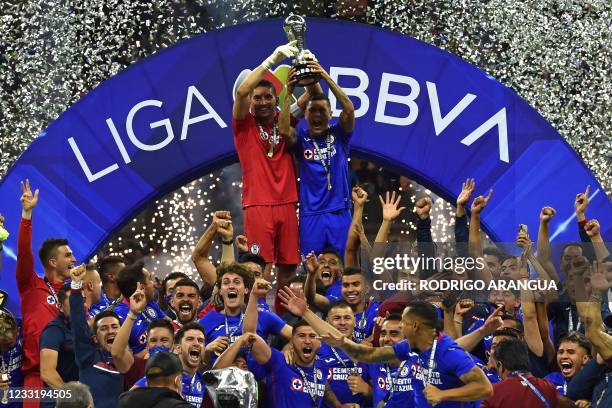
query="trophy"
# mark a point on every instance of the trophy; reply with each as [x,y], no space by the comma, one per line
[295,27]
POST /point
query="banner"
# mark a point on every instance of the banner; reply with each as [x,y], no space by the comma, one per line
[167,120]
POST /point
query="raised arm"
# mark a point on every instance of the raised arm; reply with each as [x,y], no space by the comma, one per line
[84,349]
[199,256]
[347,116]
[25,257]
[600,285]
[284,118]
[544,254]
[580,205]
[425,244]
[475,241]
[353,240]
[471,340]
[320,302]
[592,229]
[331,335]
[259,289]
[120,350]
[225,230]
[461,224]
[227,358]
[241,103]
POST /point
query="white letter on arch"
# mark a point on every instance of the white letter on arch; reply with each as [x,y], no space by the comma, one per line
[384,96]
[153,125]
[440,123]
[359,92]
[210,112]
[499,120]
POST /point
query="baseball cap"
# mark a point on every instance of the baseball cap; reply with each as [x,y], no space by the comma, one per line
[162,364]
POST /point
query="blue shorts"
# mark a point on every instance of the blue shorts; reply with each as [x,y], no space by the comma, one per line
[327,230]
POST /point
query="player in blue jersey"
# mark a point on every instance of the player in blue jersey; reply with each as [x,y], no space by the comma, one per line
[190,349]
[347,378]
[322,153]
[128,280]
[11,352]
[234,282]
[108,268]
[445,375]
[326,270]
[302,384]
[392,382]
[573,353]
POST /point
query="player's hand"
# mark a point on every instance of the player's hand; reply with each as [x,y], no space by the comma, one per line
[592,228]
[333,340]
[547,214]
[289,355]
[582,201]
[138,300]
[223,223]
[523,241]
[422,207]
[28,200]
[359,196]
[467,188]
[316,68]
[583,404]
[242,243]
[218,345]
[356,384]
[390,205]
[261,287]
[311,263]
[280,53]
[433,394]
[291,302]
[481,202]
[77,273]
[599,281]
[494,321]
[463,306]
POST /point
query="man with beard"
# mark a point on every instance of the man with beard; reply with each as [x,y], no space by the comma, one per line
[302,384]
[190,349]
[38,296]
[326,270]
[392,382]
[129,279]
[235,282]
[108,268]
[185,302]
[92,353]
[439,360]
[11,353]
[355,293]
[573,353]
[346,378]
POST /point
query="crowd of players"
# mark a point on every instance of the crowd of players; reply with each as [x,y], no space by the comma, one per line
[108,334]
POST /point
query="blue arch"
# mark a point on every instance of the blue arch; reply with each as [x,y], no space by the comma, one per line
[406,92]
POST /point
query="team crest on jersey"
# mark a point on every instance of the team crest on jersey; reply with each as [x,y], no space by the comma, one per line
[51,299]
[255,249]
[308,154]
[404,371]
[297,384]
[319,374]
[143,338]
[381,383]
[199,386]
[151,312]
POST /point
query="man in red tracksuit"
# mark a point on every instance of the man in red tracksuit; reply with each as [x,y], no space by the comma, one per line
[39,304]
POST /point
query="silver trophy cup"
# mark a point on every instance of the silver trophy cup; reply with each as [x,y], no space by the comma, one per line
[295,27]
